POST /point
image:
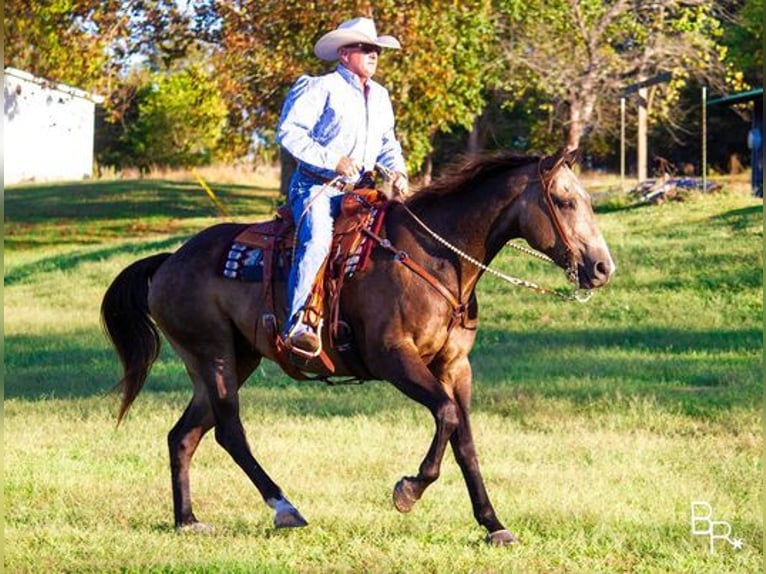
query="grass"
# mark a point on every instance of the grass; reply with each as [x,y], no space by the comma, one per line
[597,425]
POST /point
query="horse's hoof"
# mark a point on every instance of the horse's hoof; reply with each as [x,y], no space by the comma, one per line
[195,528]
[289,518]
[501,538]
[404,497]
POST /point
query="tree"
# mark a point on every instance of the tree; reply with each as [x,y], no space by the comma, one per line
[581,54]
[744,38]
[178,121]
[66,41]
[440,79]
[91,44]
[260,49]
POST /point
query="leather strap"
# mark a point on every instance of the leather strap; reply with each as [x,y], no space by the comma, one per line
[316,177]
[458,308]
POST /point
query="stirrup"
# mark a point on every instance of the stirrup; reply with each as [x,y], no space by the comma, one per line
[307,355]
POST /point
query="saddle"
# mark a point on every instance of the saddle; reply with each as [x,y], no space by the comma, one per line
[263,252]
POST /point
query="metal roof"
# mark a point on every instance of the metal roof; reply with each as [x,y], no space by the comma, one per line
[69,90]
[738,98]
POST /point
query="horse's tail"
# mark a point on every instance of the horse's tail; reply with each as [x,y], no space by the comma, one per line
[129,326]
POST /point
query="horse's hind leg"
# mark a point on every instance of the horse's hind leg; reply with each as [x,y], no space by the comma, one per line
[183,440]
[222,381]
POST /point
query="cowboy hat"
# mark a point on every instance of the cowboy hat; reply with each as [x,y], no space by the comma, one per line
[352,32]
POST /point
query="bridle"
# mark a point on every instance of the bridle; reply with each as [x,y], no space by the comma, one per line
[546,180]
[456,302]
[576,294]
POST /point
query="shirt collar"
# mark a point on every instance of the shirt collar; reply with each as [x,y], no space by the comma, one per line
[350,77]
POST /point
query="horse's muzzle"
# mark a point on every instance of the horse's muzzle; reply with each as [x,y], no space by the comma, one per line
[594,274]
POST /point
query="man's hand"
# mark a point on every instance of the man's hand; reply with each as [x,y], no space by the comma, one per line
[347,167]
[400,186]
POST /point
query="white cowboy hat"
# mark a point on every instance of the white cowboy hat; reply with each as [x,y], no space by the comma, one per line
[352,32]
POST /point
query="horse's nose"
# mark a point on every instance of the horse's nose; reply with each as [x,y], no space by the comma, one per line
[603,269]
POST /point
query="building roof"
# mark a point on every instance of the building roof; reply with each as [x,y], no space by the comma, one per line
[69,90]
[738,98]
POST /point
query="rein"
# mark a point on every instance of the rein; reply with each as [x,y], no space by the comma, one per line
[575,295]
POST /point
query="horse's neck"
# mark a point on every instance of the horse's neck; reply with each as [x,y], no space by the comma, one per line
[477,221]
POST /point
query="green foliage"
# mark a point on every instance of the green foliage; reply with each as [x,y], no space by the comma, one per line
[62,40]
[596,424]
[89,43]
[744,38]
[609,45]
[439,80]
[171,119]
[261,47]
[180,121]
[558,66]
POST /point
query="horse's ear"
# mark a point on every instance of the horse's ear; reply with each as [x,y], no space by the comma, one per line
[564,156]
[571,156]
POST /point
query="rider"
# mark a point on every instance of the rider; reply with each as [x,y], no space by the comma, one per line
[337,127]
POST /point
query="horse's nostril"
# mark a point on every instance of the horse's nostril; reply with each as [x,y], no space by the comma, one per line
[602,269]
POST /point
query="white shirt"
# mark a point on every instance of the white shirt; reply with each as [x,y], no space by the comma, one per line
[327,117]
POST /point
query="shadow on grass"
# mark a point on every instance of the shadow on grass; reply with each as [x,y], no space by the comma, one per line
[742,218]
[130,198]
[691,372]
[698,373]
[70,261]
[39,217]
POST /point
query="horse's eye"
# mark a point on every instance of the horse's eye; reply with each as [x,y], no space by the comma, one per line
[563,203]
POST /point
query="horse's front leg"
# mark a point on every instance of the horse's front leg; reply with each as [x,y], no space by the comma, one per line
[409,489]
[411,376]
[465,454]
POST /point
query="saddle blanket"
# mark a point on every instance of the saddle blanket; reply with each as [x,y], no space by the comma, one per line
[245,259]
[245,263]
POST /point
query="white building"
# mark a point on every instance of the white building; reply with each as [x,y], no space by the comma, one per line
[47,129]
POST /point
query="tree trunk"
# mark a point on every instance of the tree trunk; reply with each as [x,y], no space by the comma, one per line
[473,137]
[581,109]
[575,130]
[428,168]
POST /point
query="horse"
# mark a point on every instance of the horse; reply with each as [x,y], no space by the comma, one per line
[411,329]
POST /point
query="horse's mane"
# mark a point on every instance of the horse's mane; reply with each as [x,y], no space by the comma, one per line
[472,170]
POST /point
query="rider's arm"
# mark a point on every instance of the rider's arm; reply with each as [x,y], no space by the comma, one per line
[301,112]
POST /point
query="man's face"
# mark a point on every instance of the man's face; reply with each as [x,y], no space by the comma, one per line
[362,59]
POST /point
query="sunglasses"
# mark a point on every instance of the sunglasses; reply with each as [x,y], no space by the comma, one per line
[364,48]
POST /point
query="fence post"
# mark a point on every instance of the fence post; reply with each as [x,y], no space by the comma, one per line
[622,145]
[704,138]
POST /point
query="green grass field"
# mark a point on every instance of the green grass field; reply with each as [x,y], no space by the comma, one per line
[597,425]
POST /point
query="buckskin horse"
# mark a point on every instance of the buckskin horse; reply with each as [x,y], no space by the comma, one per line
[414,333]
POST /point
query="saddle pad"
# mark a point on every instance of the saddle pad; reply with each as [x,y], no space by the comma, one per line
[245,263]
[350,249]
